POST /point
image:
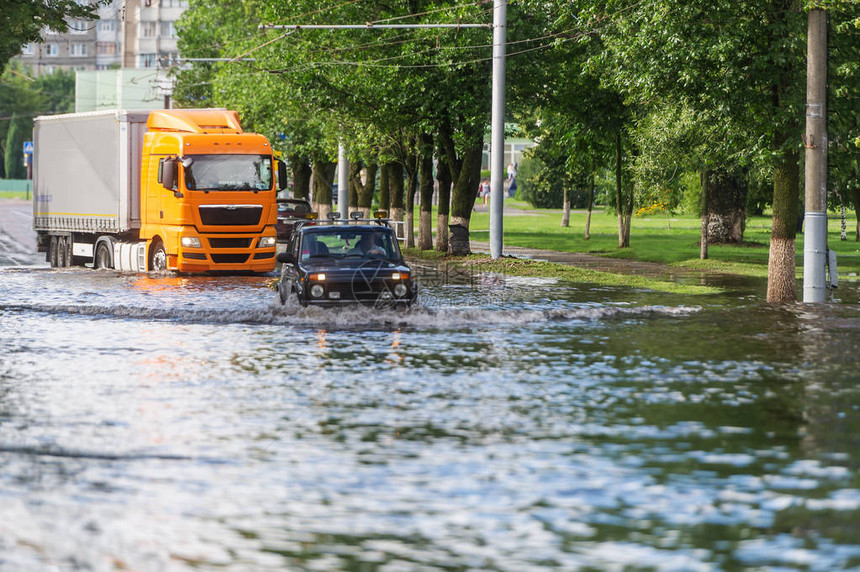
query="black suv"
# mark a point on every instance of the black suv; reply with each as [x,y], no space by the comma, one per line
[345,262]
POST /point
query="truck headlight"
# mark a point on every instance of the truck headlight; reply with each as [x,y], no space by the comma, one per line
[317,290]
[189,242]
[400,290]
[267,242]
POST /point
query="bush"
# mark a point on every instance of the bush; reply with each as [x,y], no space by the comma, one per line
[538,185]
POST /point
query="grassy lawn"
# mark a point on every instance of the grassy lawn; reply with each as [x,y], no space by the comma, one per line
[669,240]
[13,195]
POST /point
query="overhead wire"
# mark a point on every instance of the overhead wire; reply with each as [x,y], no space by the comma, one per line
[556,37]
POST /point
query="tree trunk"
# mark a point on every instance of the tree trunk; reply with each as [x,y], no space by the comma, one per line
[781,267]
[443,177]
[728,188]
[590,202]
[395,187]
[323,177]
[409,201]
[353,179]
[703,240]
[855,198]
[465,174]
[628,216]
[301,168]
[384,201]
[364,190]
[620,199]
[565,214]
[425,193]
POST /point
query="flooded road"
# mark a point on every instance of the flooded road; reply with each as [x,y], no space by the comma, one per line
[192,423]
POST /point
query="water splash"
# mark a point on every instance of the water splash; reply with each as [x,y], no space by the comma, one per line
[349,317]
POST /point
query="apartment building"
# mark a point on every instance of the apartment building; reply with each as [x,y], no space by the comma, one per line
[144,39]
[73,50]
[150,33]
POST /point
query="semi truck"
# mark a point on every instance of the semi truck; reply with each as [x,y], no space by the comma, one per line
[184,190]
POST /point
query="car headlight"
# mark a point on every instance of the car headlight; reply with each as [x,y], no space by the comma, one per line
[317,290]
[267,242]
[189,242]
[400,290]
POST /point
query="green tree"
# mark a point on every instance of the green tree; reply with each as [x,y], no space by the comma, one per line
[738,63]
[13,156]
[378,90]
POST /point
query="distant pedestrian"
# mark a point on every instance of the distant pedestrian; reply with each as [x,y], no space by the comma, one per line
[484,190]
[512,180]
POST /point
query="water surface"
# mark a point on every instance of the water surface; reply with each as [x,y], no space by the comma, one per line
[192,423]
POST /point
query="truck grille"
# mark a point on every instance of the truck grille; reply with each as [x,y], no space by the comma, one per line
[229,258]
[228,215]
[229,242]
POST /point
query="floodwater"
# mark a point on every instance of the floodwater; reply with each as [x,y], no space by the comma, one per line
[155,423]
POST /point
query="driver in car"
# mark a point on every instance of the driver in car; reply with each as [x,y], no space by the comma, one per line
[366,246]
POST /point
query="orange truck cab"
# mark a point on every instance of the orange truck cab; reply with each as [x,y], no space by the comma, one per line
[185,190]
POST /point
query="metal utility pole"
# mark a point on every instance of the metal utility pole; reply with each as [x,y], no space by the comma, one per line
[815,141]
[497,136]
[342,182]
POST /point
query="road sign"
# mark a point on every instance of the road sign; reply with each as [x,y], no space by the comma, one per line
[28,147]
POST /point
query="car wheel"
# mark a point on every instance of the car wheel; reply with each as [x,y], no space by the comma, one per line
[285,288]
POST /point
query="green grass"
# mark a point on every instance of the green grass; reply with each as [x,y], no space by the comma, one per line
[669,240]
[13,195]
[672,240]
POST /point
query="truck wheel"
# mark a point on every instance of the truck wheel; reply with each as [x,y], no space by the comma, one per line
[157,257]
[64,255]
[102,258]
[53,247]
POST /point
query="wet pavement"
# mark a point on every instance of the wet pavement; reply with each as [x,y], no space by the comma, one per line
[17,237]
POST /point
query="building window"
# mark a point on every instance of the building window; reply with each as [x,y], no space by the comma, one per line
[106,48]
[78,27]
[147,29]
[77,50]
[148,60]
[49,69]
[107,26]
[168,30]
[52,50]
[27,50]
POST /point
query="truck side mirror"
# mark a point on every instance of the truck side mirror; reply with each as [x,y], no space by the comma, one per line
[167,175]
[282,175]
[286,258]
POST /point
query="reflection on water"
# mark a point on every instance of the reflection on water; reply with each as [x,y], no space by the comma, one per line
[182,423]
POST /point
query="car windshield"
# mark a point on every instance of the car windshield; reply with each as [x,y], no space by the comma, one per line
[228,172]
[350,243]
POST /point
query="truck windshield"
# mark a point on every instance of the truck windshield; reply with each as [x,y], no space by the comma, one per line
[228,172]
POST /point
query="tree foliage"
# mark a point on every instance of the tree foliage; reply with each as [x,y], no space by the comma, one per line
[22,98]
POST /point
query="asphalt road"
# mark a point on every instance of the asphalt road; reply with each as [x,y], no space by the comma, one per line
[17,237]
